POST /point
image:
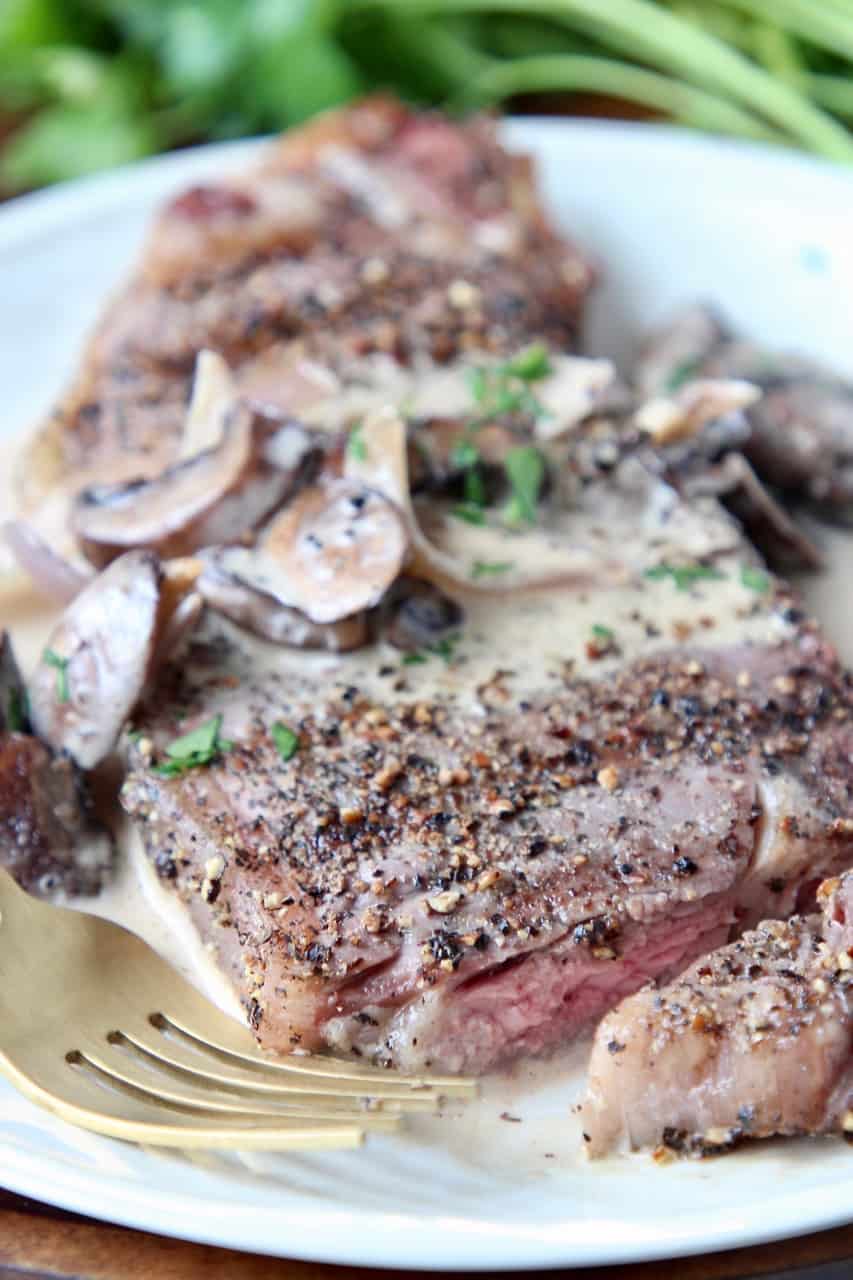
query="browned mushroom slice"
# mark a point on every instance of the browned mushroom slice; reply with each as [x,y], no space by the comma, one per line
[382,463]
[332,553]
[49,838]
[99,657]
[263,615]
[214,497]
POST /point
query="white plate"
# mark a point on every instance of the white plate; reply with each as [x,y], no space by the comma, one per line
[674,217]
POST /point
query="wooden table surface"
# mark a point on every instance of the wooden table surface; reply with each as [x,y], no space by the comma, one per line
[42,1243]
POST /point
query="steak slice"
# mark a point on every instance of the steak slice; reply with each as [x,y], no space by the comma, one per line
[753,1040]
[474,854]
[373,231]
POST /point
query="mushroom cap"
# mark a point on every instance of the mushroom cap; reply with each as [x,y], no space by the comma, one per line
[99,658]
[263,615]
[333,552]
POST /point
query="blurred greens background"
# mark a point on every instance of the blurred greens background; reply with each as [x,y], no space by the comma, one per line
[85,84]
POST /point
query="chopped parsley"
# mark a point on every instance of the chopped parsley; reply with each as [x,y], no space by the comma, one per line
[755,579]
[485,568]
[530,364]
[525,469]
[464,454]
[356,448]
[602,633]
[682,373]
[286,741]
[470,512]
[685,575]
[444,648]
[53,659]
[199,747]
[17,711]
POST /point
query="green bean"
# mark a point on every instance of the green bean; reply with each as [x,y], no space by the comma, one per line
[645,30]
[681,101]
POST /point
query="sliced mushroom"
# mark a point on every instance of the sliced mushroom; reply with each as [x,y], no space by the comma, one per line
[49,838]
[576,389]
[382,463]
[767,524]
[676,352]
[249,465]
[418,614]
[333,552]
[683,414]
[100,656]
[53,575]
[214,397]
[217,496]
[263,615]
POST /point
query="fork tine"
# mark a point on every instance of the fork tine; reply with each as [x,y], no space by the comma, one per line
[134,1119]
[184,1065]
[256,1074]
[223,1041]
[156,1088]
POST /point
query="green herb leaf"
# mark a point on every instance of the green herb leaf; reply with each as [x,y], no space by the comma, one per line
[755,579]
[414,659]
[63,693]
[464,454]
[682,373]
[525,469]
[685,575]
[486,568]
[200,746]
[601,633]
[478,383]
[470,512]
[445,647]
[530,364]
[475,489]
[356,447]
[286,741]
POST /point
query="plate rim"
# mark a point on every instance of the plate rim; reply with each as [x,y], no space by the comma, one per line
[454,1241]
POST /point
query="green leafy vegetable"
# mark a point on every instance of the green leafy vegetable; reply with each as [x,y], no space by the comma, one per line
[53,659]
[487,568]
[470,512]
[525,469]
[602,633]
[685,575]
[755,579]
[444,648]
[356,446]
[201,746]
[88,85]
[529,364]
[464,454]
[286,741]
[682,373]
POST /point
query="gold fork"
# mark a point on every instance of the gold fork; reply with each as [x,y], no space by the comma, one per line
[99,1030]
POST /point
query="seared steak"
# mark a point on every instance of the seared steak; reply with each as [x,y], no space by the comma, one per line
[753,1040]
[373,232]
[473,854]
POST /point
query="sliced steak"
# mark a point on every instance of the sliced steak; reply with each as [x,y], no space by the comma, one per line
[753,1040]
[373,230]
[472,852]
